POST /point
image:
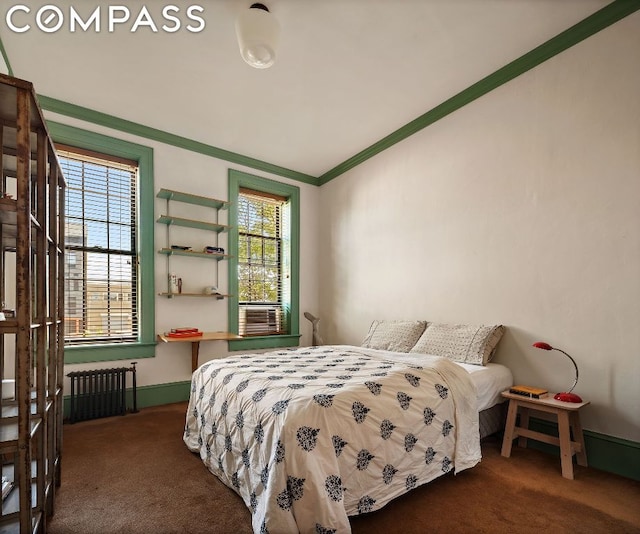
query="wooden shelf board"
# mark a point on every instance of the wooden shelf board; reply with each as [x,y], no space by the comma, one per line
[218,296]
[9,430]
[176,252]
[193,199]
[206,336]
[191,223]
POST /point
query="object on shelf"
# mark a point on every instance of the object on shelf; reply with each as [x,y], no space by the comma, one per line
[173,283]
[7,486]
[213,250]
[180,247]
[211,290]
[8,389]
[184,329]
[529,391]
[184,332]
[9,314]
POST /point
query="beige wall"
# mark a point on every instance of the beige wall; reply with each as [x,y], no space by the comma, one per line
[522,208]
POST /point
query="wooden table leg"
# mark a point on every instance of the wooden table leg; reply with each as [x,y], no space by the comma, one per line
[507,441]
[566,452]
[195,349]
[578,437]
[524,423]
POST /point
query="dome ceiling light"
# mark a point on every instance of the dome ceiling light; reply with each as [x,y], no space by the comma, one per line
[258,33]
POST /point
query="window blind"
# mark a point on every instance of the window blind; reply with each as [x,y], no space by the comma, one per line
[101,271]
[261,265]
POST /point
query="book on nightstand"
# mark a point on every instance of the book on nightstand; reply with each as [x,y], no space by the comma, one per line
[529,391]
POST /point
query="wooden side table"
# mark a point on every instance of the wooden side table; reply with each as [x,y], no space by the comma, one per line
[195,342]
[568,415]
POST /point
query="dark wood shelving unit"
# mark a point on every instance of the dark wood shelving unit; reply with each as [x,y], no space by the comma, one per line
[32,189]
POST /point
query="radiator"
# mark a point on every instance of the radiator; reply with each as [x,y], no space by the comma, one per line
[101,393]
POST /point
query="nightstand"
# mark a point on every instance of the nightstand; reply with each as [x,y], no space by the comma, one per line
[568,416]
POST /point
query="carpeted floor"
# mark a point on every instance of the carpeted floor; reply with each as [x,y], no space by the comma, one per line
[133,474]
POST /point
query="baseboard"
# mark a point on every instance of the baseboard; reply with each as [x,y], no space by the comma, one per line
[607,453]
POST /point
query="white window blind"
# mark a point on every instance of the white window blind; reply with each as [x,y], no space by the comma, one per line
[101,304]
[262,267]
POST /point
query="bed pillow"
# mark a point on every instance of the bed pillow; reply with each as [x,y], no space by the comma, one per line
[460,342]
[396,336]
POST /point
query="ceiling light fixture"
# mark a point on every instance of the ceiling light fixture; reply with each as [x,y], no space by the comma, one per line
[258,32]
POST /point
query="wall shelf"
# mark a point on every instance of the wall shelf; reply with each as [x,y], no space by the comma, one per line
[217,296]
[207,255]
[188,198]
[214,227]
[191,223]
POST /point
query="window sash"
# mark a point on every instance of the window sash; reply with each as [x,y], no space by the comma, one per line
[261,270]
[101,248]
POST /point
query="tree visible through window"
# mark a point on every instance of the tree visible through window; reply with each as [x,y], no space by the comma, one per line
[101,304]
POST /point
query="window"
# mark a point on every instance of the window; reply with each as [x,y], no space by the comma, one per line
[261,269]
[109,308]
[101,208]
[264,262]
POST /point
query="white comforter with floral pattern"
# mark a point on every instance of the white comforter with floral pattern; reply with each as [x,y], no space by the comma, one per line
[310,436]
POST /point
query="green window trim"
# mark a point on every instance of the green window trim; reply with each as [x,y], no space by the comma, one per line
[145,346]
[238,179]
[6,59]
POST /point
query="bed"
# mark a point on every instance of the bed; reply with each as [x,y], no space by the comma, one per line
[310,436]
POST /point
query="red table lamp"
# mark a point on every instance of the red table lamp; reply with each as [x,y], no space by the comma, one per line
[567,396]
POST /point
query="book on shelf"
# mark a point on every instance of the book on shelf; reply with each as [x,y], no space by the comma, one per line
[184,329]
[529,391]
[184,332]
[7,486]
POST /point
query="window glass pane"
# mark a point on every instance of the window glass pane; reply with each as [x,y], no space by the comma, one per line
[259,264]
[101,204]
[271,252]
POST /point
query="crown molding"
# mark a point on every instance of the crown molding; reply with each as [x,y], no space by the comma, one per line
[116,123]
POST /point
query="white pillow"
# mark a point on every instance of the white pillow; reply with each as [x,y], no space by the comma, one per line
[396,336]
[460,342]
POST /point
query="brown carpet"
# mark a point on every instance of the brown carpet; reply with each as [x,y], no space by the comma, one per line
[133,474]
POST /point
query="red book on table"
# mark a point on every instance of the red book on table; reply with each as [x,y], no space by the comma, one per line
[184,332]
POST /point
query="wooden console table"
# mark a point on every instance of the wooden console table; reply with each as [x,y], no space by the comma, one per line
[568,415]
[195,342]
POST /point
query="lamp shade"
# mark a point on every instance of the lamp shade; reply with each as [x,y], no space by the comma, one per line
[258,34]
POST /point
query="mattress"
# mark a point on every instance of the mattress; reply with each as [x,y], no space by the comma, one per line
[490,381]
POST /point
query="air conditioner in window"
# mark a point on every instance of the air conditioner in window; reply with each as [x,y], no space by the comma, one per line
[256,320]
